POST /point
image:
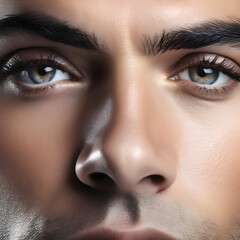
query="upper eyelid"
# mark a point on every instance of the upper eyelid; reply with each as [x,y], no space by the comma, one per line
[36,56]
[194,58]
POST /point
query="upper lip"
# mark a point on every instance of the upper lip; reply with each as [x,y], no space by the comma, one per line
[109,234]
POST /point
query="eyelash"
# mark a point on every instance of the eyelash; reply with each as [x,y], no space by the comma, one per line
[223,66]
[16,66]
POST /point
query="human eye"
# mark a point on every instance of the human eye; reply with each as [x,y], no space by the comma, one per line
[208,76]
[36,71]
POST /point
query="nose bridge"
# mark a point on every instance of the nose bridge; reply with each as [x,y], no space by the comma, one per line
[129,105]
[126,144]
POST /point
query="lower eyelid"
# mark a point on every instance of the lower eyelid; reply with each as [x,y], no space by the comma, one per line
[209,93]
[14,87]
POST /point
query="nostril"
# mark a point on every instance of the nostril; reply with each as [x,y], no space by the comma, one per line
[152,184]
[101,180]
[99,177]
[157,179]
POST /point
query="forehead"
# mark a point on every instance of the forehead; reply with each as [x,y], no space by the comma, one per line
[122,23]
[112,16]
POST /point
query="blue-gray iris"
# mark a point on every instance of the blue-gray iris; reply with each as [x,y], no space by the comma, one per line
[202,75]
[41,74]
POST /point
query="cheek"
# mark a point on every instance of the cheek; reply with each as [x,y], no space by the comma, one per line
[37,146]
[209,164]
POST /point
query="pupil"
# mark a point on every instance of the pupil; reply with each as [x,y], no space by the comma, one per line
[203,72]
[44,70]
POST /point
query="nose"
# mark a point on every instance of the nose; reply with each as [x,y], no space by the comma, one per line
[136,151]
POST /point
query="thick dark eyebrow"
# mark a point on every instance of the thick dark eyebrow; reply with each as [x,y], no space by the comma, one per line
[200,35]
[51,29]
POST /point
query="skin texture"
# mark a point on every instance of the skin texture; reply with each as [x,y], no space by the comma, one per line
[168,158]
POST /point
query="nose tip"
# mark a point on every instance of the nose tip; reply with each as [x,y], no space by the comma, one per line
[97,172]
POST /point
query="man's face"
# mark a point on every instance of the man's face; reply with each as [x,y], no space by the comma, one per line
[120,119]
